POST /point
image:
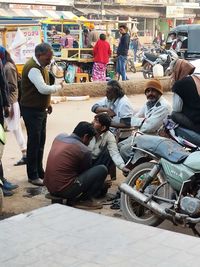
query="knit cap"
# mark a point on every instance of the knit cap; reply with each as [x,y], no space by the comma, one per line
[154,84]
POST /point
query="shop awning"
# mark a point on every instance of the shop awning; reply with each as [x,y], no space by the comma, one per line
[120,12]
[30,13]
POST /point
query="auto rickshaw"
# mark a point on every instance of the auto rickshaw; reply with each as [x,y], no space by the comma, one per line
[189,34]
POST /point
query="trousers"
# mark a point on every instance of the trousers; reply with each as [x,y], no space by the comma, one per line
[86,185]
[35,122]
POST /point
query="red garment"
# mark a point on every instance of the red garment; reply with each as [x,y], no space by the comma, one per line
[102,51]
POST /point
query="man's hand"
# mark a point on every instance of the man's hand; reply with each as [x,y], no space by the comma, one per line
[125,171]
[62,84]
[6,112]
[111,113]
[49,109]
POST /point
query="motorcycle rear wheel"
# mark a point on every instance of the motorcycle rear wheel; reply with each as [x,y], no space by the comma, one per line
[132,210]
[147,70]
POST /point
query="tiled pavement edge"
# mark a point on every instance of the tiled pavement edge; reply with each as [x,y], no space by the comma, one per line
[61,236]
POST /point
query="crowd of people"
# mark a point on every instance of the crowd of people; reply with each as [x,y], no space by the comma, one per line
[81,166]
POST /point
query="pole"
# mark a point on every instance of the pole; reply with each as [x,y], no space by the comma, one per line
[102,9]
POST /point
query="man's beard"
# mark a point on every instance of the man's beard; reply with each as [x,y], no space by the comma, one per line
[151,103]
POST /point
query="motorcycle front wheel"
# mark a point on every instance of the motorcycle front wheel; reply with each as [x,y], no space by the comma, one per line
[147,70]
[132,210]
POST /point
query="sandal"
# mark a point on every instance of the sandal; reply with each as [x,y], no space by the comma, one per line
[22,161]
[115,204]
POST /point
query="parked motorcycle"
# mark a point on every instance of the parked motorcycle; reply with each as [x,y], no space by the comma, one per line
[167,187]
[185,137]
[151,59]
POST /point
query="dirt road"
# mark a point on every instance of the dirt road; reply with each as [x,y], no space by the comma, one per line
[64,118]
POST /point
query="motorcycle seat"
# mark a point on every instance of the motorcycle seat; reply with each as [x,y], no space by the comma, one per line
[162,147]
[151,56]
[189,135]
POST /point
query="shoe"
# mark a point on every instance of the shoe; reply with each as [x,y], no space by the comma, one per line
[7,193]
[88,205]
[38,182]
[41,174]
[8,185]
[116,204]
[22,161]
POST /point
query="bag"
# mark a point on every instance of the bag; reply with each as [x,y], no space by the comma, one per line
[70,74]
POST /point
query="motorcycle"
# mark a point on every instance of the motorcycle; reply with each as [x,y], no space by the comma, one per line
[166,187]
[189,139]
[164,59]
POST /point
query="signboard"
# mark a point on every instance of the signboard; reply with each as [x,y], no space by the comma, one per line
[20,54]
[174,12]
[42,2]
[35,7]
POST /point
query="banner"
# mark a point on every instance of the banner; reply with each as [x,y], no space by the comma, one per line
[21,43]
[174,12]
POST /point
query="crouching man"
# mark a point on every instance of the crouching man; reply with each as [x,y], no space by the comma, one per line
[69,172]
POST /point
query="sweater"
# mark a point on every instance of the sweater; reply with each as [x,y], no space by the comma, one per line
[30,96]
[102,52]
[123,47]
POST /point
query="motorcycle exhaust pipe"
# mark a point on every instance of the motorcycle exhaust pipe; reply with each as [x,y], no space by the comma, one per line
[153,206]
[142,199]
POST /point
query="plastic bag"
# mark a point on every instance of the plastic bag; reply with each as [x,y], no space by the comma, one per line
[70,74]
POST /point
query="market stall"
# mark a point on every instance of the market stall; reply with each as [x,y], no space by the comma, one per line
[79,60]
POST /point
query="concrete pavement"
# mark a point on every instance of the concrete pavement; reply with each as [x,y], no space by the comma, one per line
[60,236]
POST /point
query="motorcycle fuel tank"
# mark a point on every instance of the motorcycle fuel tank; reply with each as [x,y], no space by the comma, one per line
[193,161]
[176,174]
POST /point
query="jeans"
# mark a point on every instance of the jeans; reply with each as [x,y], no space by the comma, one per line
[35,122]
[125,148]
[86,185]
[121,66]
[135,54]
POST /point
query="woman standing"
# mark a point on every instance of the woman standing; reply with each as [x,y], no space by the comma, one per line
[102,53]
[134,45]
[186,97]
[13,121]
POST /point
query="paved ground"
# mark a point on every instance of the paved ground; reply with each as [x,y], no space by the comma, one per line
[63,119]
[62,236]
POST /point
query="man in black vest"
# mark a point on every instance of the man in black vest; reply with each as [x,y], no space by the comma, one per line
[35,105]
